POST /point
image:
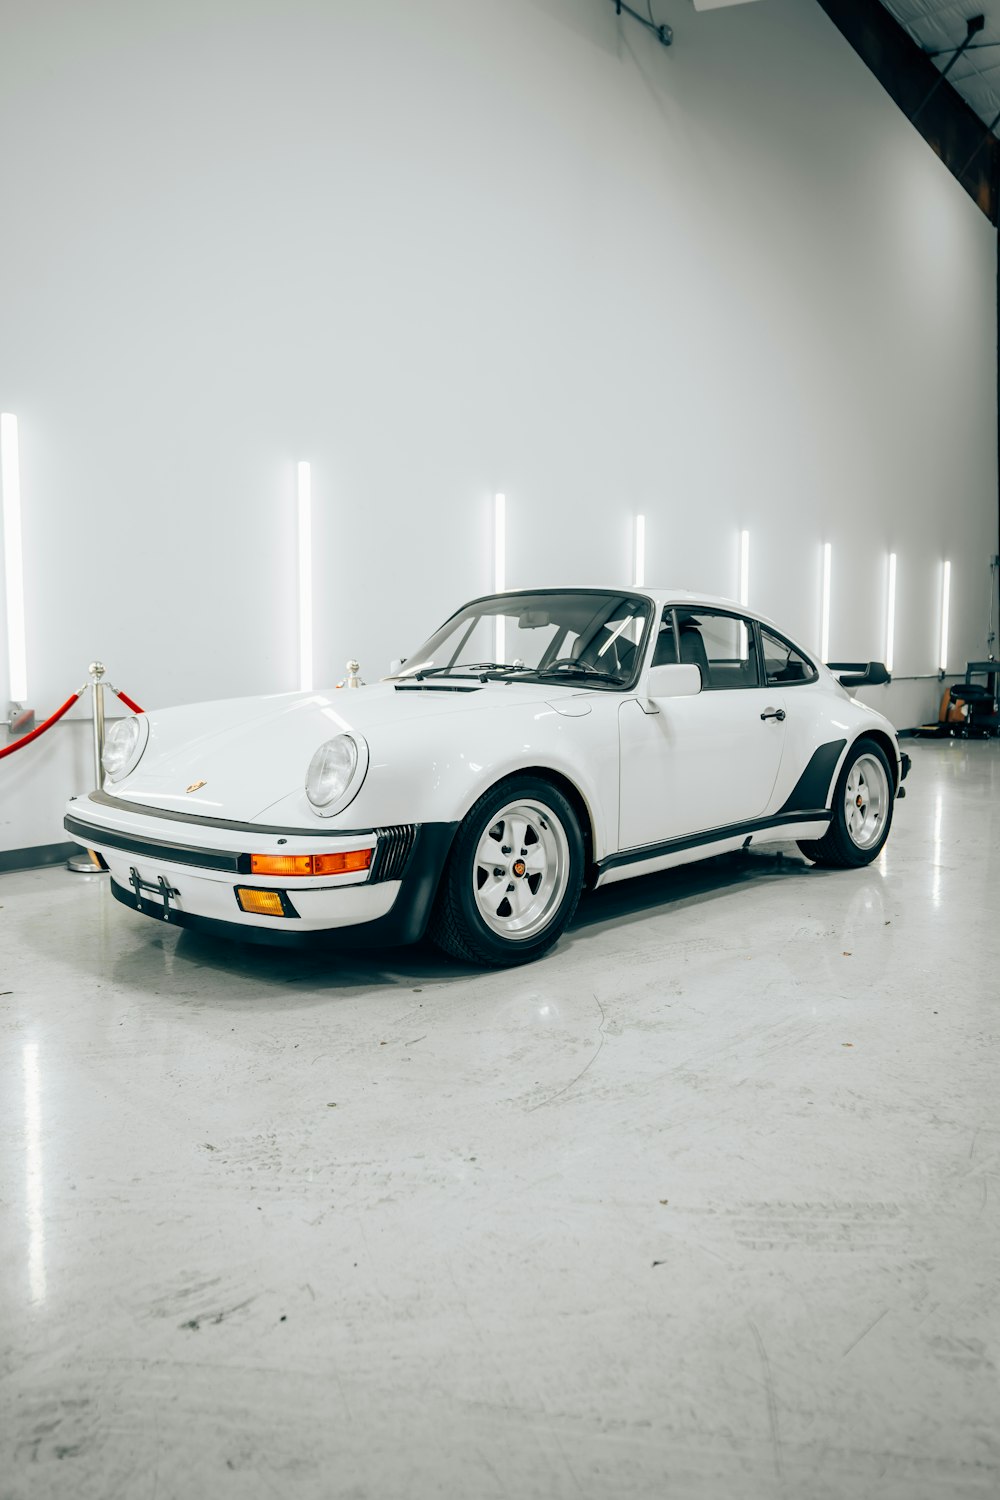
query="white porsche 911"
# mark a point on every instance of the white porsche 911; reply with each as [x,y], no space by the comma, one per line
[541,741]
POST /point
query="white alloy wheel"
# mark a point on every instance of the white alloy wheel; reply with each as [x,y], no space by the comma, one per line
[521,870]
[866,800]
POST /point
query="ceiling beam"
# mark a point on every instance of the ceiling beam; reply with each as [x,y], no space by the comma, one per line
[952,129]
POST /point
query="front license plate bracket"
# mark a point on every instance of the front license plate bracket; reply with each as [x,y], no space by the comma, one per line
[162,888]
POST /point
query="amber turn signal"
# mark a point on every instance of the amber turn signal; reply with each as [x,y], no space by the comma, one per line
[281,864]
[340,864]
[311,864]
[264,903]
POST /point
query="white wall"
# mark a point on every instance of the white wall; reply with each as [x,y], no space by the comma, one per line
[455,247]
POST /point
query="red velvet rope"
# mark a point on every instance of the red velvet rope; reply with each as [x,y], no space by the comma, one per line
[26,739]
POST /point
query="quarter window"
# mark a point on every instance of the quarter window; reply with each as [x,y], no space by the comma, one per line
[783,664]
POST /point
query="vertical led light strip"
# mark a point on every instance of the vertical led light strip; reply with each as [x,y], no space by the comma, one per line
[824,608]
[890,613]
[744,591]
[34,1183]
[639,557]
[304,490]
[10,482]
[499,569]
[945,605]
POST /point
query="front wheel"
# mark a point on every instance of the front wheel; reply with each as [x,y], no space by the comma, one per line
[862,811]
[514,876]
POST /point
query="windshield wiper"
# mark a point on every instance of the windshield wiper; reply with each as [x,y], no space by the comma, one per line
[581,669]
[439,672]
[468,669]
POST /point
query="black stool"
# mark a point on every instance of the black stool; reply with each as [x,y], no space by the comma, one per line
[981,705]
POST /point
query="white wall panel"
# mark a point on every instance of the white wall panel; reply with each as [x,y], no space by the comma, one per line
[458,248]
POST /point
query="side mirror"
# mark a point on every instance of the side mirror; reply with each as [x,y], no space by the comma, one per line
[674,680]
[395,665]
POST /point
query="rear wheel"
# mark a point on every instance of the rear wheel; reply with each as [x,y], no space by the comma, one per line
[862,811]
[514,876]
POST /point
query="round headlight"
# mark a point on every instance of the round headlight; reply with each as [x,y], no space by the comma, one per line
[124,745]
[331,771]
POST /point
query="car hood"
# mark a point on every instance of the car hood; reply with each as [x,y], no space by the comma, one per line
[236,758]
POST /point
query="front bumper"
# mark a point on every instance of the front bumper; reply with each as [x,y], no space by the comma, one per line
[186,871]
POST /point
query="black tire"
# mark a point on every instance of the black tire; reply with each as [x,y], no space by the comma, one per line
[469,921]
[845,846]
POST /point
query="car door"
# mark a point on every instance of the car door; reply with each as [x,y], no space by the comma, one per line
[709,761]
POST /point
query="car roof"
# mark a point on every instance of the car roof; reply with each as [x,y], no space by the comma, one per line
[715,601]
[659,596]
[688,596]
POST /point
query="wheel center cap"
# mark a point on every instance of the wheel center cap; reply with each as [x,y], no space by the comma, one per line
[858,802]
[518,867]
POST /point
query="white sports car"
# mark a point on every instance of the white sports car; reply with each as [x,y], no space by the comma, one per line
[539,742]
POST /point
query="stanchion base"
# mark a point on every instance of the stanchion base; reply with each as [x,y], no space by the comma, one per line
[86,863]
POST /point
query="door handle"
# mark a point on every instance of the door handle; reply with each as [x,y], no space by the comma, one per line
[773,713]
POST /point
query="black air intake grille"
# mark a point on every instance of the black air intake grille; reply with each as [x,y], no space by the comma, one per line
[394,848]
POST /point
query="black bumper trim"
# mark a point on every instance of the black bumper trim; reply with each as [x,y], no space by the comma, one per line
[405,923]
[175,854]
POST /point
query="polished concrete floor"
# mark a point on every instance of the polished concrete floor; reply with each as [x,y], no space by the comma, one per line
[703,1205]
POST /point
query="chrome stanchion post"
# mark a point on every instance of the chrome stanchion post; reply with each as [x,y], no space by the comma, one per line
[353,679]
[87,862]
[97,671]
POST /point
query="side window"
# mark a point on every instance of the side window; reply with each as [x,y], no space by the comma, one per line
[723,646]
[665,650]
[782,663]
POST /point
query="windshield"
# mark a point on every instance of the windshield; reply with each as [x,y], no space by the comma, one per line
[586,635]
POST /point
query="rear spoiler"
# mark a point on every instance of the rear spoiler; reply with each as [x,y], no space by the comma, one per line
[860,673]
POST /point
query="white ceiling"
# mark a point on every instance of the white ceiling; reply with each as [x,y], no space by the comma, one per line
[939,26]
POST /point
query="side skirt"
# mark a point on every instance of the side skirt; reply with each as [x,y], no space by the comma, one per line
[648,858]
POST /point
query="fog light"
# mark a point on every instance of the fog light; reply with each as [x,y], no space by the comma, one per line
[264,903]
